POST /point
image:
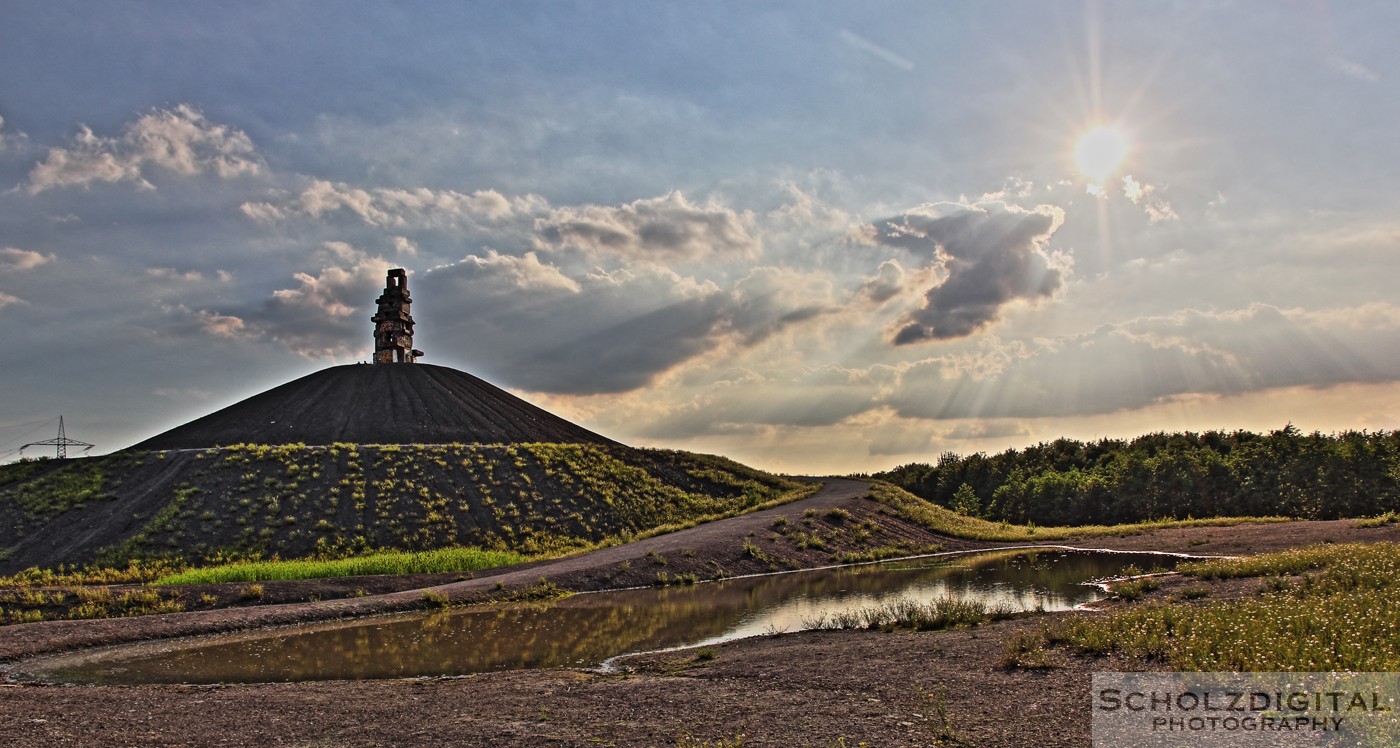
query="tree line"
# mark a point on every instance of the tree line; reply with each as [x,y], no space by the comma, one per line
[1169,475]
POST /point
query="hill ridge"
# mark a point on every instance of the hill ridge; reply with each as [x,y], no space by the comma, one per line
[377,404]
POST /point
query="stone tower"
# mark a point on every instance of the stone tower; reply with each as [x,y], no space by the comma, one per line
[393,325]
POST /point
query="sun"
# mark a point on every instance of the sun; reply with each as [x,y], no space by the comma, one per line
[1100,152]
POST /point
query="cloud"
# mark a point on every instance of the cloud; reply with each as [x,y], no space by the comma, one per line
[541,330]
[769,299]
[508,274]
[323,315]
[1014,187]
[12,139]
[865,45]
[1160,210]
[804,210]
[998,429]
[899,438]
[988,254]
[179,141]
[1352,69]
[171,274]
[666,229]
[7,300]
[396,208]
[1157,209]
[224,325]
[1151,360]
[888,435]
[263,212]
[887,283]
[659,229]
[12,258]
[738,400]
[529,322]
[1134,190]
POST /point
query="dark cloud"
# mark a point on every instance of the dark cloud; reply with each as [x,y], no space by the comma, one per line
[624,355]
[528,324]
[989,255]
[669,227]
[770,299]
[322,314]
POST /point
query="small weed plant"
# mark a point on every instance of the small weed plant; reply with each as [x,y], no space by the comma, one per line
[436,599]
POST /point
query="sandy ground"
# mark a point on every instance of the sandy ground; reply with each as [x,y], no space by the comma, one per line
[804,689]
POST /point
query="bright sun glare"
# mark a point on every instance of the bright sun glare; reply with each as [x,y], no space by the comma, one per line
[1100,151]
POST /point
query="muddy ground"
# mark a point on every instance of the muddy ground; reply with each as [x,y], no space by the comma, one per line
[828,688]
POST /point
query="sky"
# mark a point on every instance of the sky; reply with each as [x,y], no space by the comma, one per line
[817,237]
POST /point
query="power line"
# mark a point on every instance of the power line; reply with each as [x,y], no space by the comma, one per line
[61,444]
[41,423]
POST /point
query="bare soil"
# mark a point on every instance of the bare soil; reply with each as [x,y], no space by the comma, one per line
[807,689]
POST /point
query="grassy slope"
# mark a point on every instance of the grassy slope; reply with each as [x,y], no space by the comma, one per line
[298,501]
[947,522]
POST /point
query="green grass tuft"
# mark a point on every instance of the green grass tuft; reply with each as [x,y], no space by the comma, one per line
[443,560]
[1389,518]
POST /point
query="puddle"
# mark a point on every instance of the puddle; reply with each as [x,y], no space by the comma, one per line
[585,630]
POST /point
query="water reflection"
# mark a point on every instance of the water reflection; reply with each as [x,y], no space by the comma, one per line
[584,630]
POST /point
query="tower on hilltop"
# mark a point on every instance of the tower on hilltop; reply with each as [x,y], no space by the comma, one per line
[393,325]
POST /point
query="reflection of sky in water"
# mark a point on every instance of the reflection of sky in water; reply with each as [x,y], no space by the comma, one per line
[1012,585]
[585,630]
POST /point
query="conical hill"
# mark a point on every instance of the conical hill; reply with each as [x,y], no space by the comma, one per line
[357,458]
[368,404]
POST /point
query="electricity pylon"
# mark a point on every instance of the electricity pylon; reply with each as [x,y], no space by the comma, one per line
[60,445]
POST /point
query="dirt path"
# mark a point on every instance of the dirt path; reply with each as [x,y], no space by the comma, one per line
[836,492]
